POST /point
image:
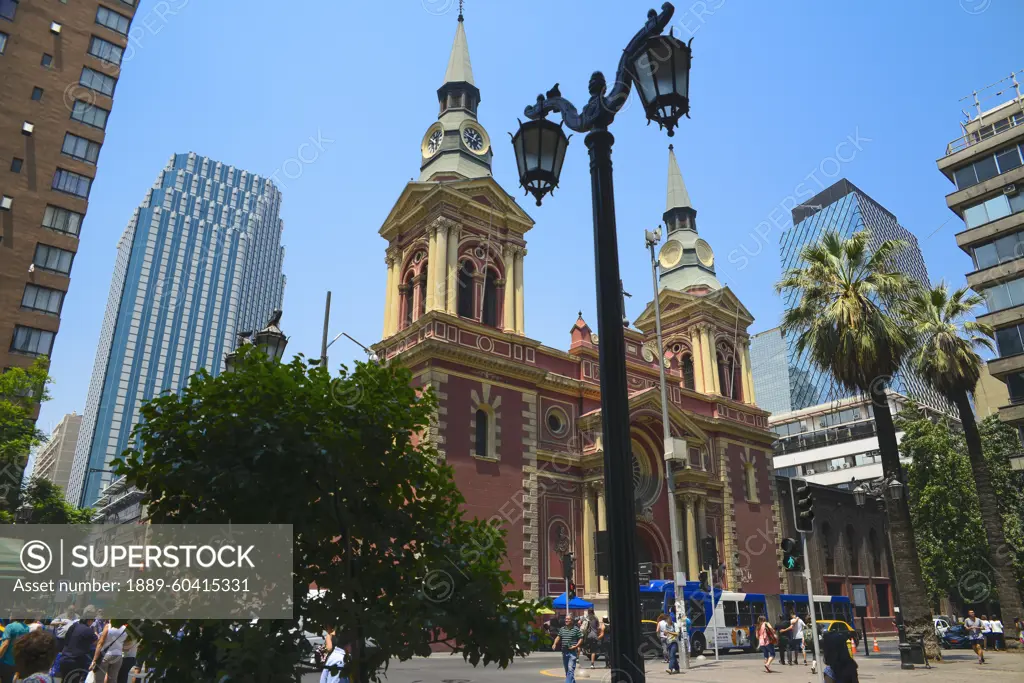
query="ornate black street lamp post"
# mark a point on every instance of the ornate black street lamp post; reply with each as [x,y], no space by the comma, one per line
[659,65]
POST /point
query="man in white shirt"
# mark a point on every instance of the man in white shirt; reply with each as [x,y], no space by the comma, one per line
[997,633]
[663,625]
[796,636]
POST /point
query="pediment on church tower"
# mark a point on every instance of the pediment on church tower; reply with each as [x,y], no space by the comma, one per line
[479,198]
[676,306]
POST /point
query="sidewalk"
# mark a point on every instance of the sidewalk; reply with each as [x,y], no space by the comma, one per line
[957,667]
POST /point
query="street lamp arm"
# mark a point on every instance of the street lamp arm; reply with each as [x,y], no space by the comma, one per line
[600,111]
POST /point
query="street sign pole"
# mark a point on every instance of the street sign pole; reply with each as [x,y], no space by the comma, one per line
[714,610]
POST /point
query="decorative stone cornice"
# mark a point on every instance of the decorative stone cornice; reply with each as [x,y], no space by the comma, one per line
[443,225]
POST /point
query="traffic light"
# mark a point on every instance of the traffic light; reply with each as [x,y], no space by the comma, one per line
[709,552]
[567,566]
[792,555]
[572,590]
[803,505]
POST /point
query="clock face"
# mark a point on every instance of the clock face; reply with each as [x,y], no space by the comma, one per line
[473,138]
[704,253]
[671,254]
[434,143]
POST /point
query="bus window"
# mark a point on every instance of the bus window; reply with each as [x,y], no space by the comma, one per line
[756,610]
[695,610]
[825,611]
[729,610]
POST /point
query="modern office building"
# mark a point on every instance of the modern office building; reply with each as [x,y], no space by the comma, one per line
[986,166]
[833,444]
[55,457]
[200,261]
[771,371]
[844,209]
[59,65]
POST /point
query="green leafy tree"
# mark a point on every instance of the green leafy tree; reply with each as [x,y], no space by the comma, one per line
[844,322]
[48,505]
[376,518]
[1000,441]
[945,511]
[946,357]
[21,392]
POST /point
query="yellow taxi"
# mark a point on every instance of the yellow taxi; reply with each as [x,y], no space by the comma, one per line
[833,626]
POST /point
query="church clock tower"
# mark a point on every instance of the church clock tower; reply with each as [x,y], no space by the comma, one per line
[457,146]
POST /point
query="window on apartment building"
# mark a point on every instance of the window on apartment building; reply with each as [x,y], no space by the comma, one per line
[8,8]
[16,165]
[42,299]
[1015,386]
[89,114]
[46,61]
[1009,340]
[993,209]
[32,341]
[62,220]
[37,94]
[3,42]
[112,20]
[987,167]
[1004,295]
[96,81]
[80,148]
[105,50]
[53,258]
[71,183]
[130,3]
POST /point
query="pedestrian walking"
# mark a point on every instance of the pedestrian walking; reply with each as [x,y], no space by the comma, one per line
[796,636]
[33,656]
[986,630]
[839,665]
[15,630]
[131,652]
[997,633]
[336,658]
[570,638]
[672,636]
[766,639]
[109,652]
[977,636]
[784,629]
[79,644]
[663,623]
[593,632]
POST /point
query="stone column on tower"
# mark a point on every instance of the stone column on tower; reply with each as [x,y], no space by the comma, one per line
[520,306]
[748,377]
[451,296]
[389,295]
[509,307]
[431,266]
[440,277]
[702,517]
[602,523]
[589,527]
[693,565]
[697,356]
[707,352]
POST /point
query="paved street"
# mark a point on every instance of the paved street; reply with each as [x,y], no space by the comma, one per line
[732,668]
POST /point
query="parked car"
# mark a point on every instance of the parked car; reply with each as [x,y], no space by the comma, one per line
[955,636]
[831,626]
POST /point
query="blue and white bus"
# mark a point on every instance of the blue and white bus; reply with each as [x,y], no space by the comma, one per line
[733,615]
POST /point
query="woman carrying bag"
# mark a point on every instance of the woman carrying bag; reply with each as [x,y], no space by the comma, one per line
[109,652]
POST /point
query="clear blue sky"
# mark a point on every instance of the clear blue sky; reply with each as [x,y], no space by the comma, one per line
[776,86]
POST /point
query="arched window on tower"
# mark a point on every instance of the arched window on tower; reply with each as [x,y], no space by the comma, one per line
[490,312]
[465,303]
[687,367]
[407,301]
[481,432]
[729,374]
[485,443]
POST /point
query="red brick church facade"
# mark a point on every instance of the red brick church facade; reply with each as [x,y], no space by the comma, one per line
[519,422]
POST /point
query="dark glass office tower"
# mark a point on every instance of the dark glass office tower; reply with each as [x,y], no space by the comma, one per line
[845,209]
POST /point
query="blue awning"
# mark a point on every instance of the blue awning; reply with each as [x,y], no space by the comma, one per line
[575,603]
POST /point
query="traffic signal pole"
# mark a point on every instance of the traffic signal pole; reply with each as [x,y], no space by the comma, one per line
[714,610]
[818,664]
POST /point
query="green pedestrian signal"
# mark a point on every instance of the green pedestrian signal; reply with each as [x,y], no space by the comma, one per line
[792,555]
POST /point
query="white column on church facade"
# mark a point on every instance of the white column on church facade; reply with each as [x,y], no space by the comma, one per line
[441,254]
[451,296]
[389,295]
[693,565]
[748,376]
[431,266]
[509,307]
[520,306]
[602,525]
[589,527]
[697,355]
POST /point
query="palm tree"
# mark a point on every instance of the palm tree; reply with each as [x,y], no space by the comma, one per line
[844,324]
[947,359]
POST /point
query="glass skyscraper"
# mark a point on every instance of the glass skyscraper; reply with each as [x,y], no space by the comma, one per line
[200,261]
[843,208]
[768,364]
